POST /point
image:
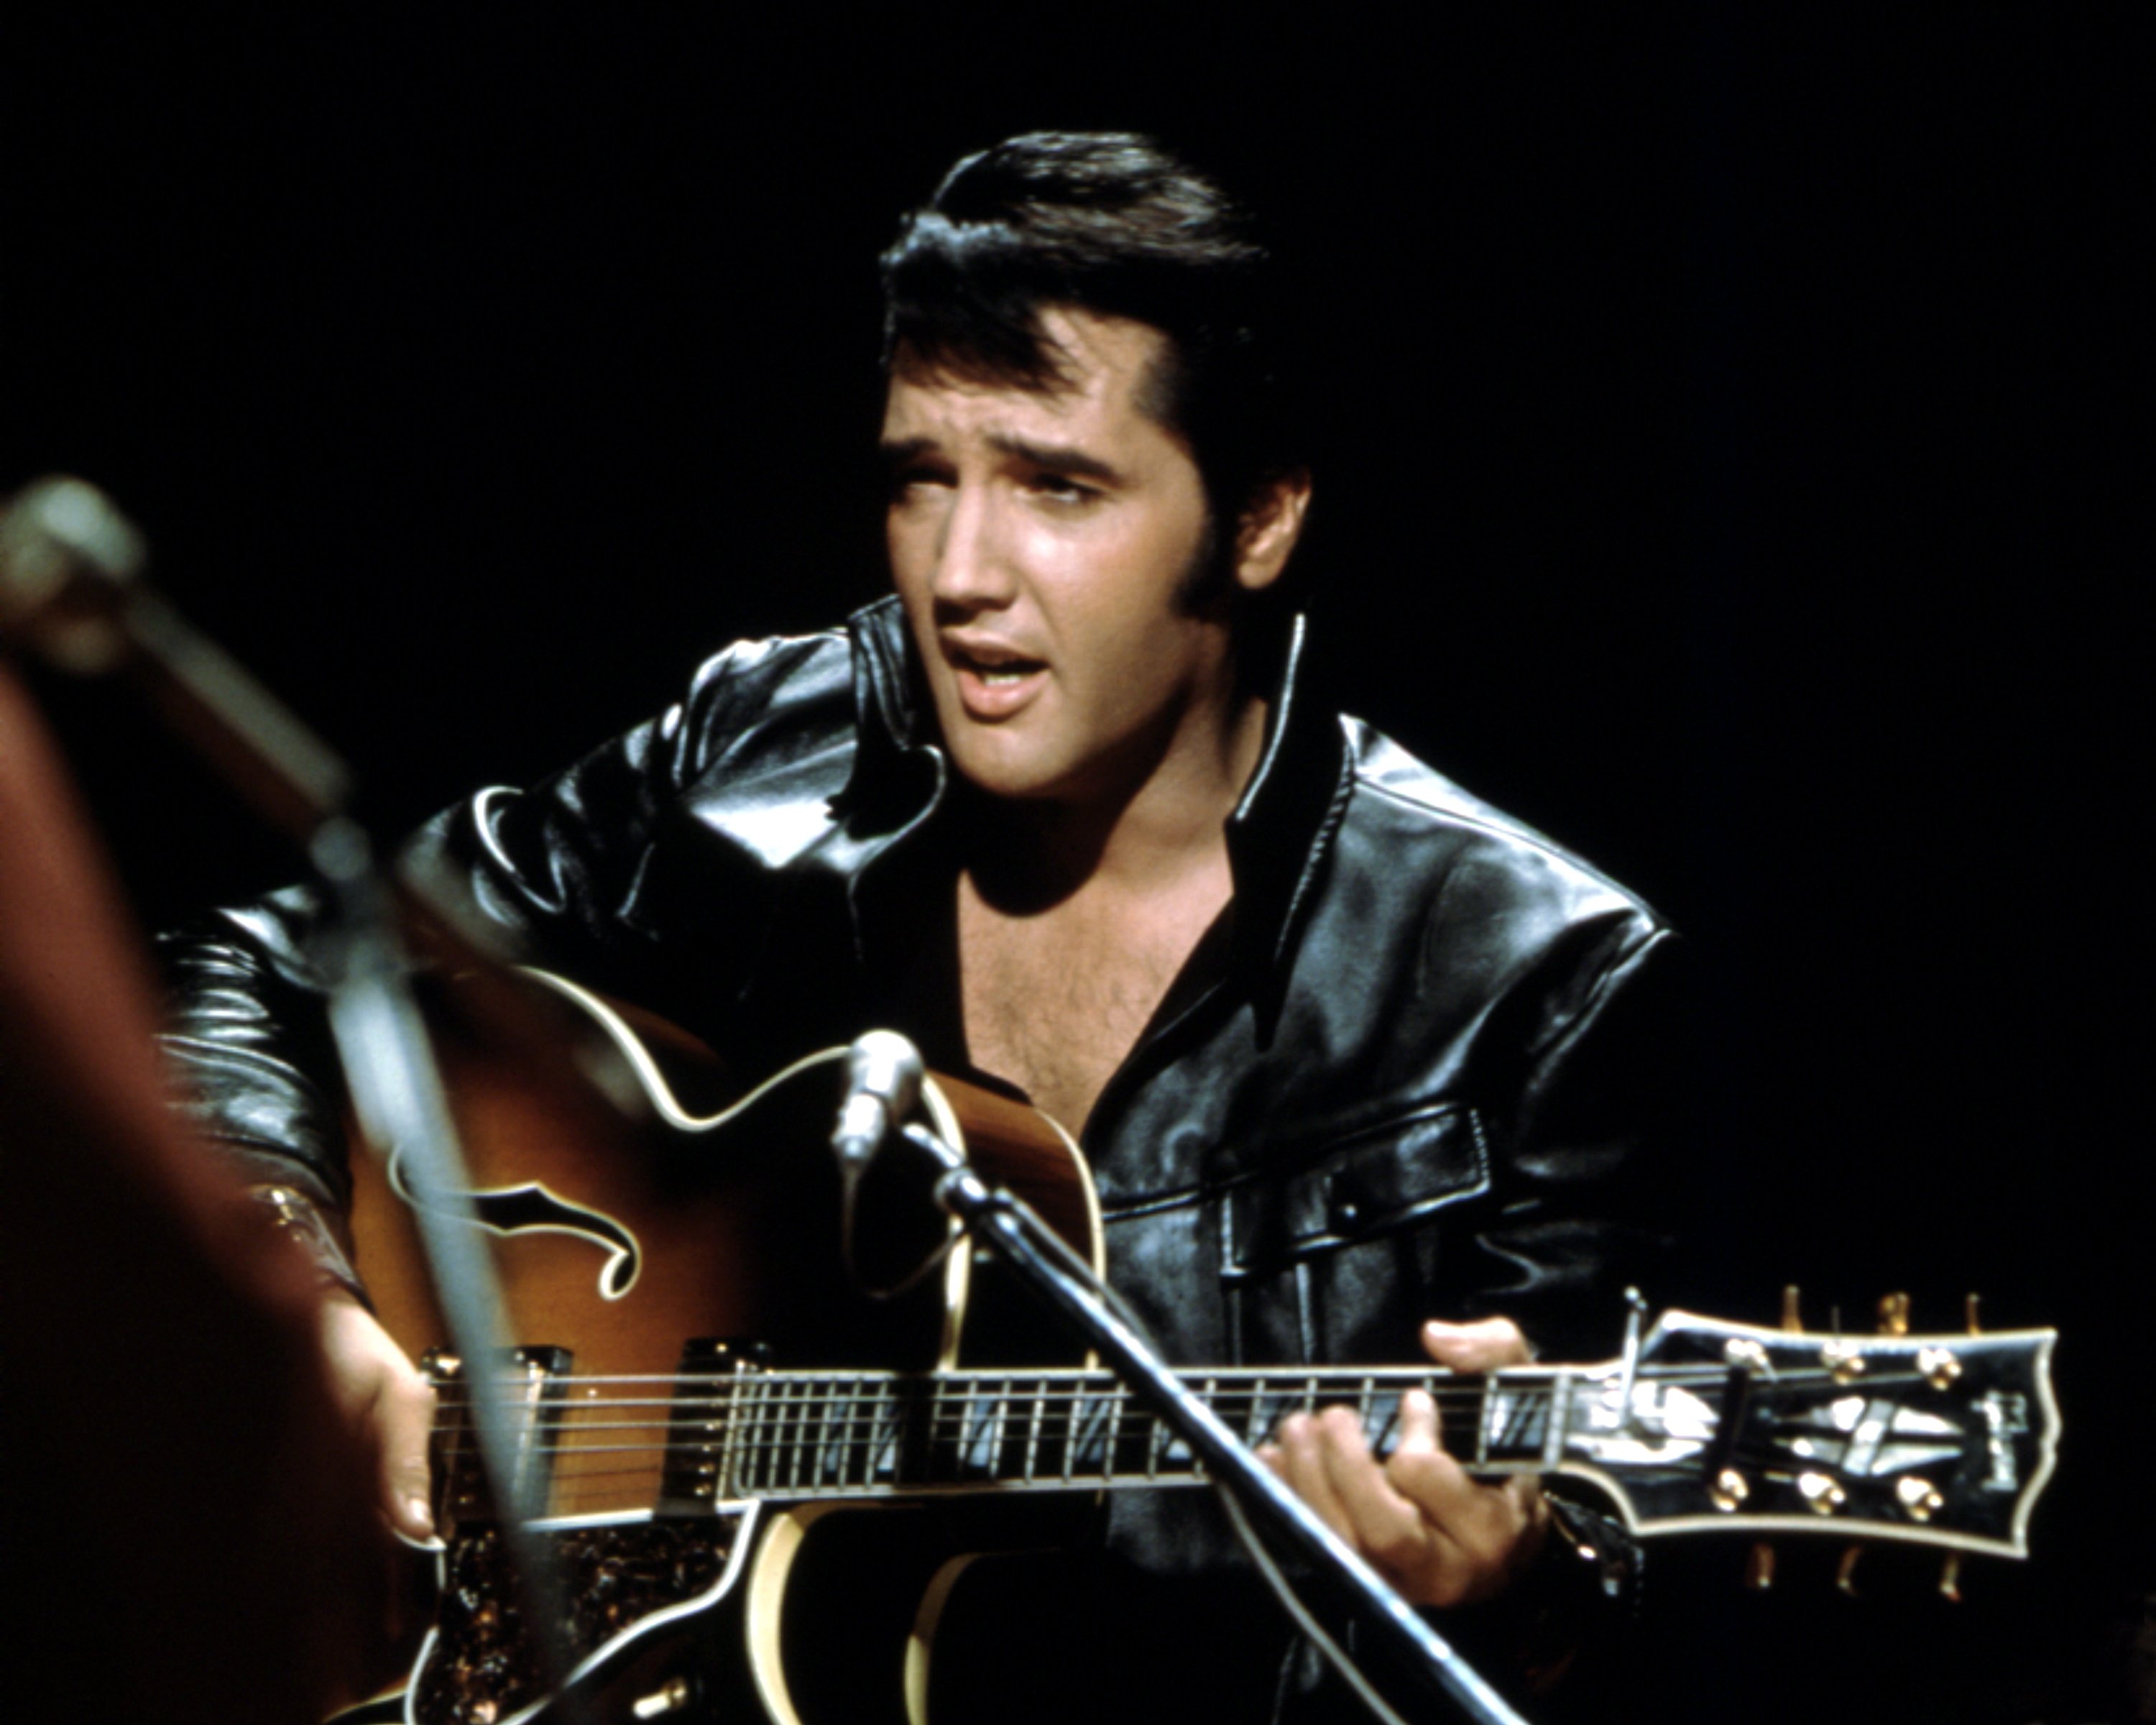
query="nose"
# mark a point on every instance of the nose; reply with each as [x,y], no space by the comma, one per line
[973,571]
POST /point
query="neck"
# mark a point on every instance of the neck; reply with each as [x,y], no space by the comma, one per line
[1156,826]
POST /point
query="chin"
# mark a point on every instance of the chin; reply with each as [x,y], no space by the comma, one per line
[996,773]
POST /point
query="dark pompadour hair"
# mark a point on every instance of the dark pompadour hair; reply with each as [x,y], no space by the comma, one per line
[1112,222]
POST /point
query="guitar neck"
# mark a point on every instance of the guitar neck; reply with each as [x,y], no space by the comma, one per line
[854,1434]
[1933,1439]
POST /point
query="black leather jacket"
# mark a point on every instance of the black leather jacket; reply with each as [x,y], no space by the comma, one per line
[1412,1073]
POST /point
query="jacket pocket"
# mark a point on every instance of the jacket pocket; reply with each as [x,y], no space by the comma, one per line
[1357,1189]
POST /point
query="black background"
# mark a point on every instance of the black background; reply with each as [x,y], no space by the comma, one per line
[1732,464]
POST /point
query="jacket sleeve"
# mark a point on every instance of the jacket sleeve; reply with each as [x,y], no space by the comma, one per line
[1584,1140]
[557,871]
[1588,1158]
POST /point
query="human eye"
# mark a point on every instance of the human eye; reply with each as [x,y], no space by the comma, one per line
[910,481]
[1061,488]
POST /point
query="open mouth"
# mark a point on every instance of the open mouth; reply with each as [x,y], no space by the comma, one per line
[992,680]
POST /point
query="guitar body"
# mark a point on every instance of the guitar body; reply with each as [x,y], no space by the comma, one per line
[630,1252]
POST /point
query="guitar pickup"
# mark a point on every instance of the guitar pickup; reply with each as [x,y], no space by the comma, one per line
[706,1413]
[535,1385]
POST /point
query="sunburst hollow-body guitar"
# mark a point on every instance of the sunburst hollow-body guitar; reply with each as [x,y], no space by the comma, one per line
[705,1405]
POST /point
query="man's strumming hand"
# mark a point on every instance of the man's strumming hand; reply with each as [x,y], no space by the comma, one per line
[383,1394]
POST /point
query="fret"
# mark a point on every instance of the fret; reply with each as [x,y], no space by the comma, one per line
[979,1452]
[1070,1423]
[796,1442]
[848,1444]
[986,1430]
[820,1444]
[1099,1410]
[1033,1428]
[843,1398]
[771,1430]
[784,1432]
[884,1429]
[753,1463]
[964,1418]
[949,1427]
[1057,1428]
[1382,1422]
[982,1449]
[856,1445]
[1503,1410]
[1560,1411]
[1095,1414]
[947,1431]
[773,1422]
[819,1400]
[740,1453]
[827,1472]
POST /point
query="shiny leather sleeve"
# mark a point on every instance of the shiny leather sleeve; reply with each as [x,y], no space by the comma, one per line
[562,871]
[1586,1153]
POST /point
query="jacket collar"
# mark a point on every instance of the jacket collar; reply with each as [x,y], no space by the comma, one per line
[1278,836]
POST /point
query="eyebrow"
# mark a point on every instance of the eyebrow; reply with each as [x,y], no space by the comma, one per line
[1062,457]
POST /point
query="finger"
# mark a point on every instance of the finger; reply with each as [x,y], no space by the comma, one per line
[1420,1426]
[1481,1346]
[389,1402]
[1428,1478]
[1302,1465]
[1387,1526]
[405,1413]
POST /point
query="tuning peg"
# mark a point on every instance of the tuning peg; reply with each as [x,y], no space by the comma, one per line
[1759,1568]
[1969,1311]
[1792,1319]
[1844,1577]
[1950,1576]
[1894,1315]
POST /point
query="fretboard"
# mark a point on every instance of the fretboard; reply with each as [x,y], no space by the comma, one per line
[810,1434]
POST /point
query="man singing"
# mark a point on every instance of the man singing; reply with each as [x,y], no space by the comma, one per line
[1363,1067]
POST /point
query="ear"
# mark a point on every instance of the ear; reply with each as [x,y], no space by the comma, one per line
[1270,527]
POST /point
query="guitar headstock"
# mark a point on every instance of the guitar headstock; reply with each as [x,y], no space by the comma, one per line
[1942,1439]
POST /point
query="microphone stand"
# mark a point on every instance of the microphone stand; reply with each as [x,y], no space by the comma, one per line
[70,564]
[1006,1225]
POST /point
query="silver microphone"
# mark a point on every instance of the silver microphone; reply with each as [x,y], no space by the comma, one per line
[883,1083]
[69,563]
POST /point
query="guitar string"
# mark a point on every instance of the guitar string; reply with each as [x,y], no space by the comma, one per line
[1232,1376]
[786,1401]
[578,1416]
[959,1416]
[780,1389]
[866,1435]
[957,1411]
[777,1429]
